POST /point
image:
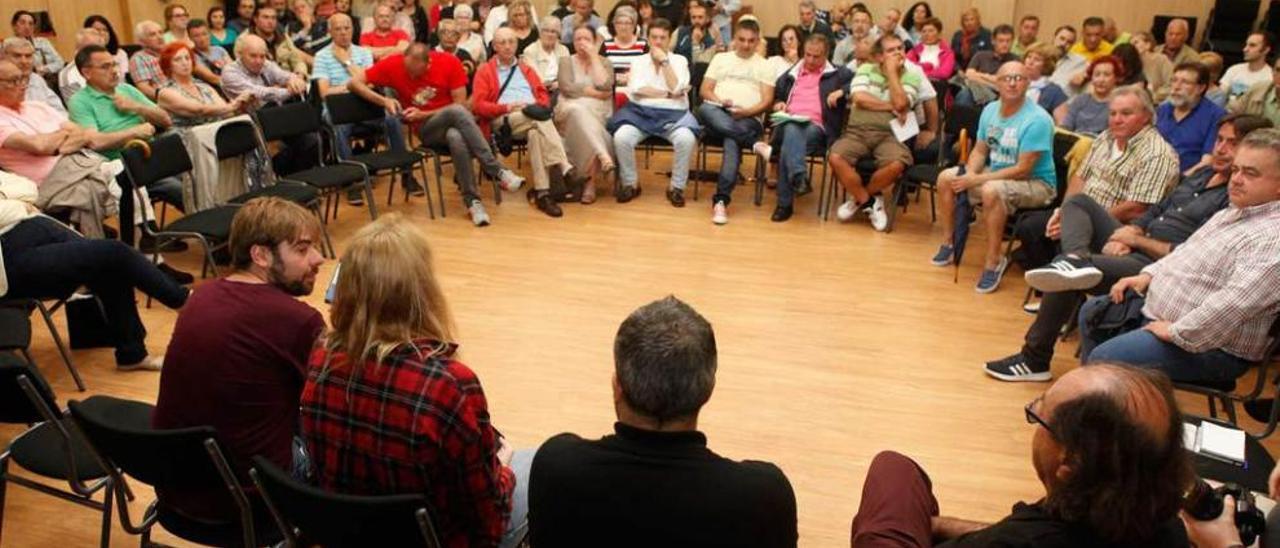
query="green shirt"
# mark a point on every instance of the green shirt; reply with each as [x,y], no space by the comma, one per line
[96,110]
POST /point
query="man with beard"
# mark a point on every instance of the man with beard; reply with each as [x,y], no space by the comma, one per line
[1186,121]
[238,356]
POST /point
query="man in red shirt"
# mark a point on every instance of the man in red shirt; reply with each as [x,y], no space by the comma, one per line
[432,91]
[384,39]
[238,357]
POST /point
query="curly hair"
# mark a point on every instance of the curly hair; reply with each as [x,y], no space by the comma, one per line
[1117,66]
[1127,476]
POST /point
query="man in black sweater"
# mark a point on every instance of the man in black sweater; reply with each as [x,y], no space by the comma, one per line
[654,482]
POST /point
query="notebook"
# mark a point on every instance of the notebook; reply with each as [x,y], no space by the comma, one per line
[1215,441]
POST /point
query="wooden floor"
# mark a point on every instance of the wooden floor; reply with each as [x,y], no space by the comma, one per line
[835,342]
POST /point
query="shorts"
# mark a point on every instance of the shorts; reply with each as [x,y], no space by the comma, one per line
[1016,195]
[858,142]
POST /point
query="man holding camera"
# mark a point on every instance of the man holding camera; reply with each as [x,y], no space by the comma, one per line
[1107,447]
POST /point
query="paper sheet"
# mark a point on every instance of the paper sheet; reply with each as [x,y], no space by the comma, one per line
[905,130]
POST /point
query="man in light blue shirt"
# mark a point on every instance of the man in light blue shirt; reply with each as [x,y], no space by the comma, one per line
[1011,168]
[334,65]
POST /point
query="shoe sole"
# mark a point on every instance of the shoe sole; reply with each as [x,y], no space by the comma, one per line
[938,263]
[1044,376]
[1054,281]
[993,288]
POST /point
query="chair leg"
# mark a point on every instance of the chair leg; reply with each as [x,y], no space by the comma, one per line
[324,231]
[105,538]
[368,193]
[1213,407]
[4,473]
[435,160]
[391,190]
[426,187]
[1230,407]
[62,348]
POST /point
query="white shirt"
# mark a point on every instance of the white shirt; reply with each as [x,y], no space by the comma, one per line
[931,54]
[1238,79]
[498,18]
[645,75]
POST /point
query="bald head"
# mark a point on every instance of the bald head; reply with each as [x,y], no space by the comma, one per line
[341,30]
[251,52]
[1177,33]
[1135,391]
[504,45]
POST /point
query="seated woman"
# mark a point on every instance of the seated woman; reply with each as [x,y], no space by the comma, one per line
[520,20]
[789,41]
[388,369]
[1088,112]
[625,44]
[43,259]
[932,53]
[189,101]
[1041,59]
[586,102]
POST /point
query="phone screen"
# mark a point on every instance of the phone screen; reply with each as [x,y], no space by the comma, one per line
[333,284]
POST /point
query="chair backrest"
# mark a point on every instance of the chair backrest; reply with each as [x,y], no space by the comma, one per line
[15,405]
[962,117]
[235,139]
[167,158]
[349,108]
[288,120]
[173,459]
[334,520]
[1062,145]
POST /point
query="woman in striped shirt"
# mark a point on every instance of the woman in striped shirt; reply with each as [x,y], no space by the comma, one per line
[625,44]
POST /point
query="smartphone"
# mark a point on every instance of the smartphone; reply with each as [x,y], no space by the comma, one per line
[333,284]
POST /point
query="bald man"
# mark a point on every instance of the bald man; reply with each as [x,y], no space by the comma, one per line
[1175,45]
[253,73]
[1107,448]
[144,66]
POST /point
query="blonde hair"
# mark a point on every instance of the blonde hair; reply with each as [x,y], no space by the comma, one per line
[1048,52]
[1213,62]
[387,294]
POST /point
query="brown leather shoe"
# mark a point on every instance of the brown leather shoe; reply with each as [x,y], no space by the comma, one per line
[547,204]
[628,193]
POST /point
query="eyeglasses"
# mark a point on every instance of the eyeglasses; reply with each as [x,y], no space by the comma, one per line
[111,65]
[1012,78]
[16,81]
[1034,418]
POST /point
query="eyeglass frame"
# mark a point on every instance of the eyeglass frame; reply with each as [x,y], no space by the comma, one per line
[1035,418]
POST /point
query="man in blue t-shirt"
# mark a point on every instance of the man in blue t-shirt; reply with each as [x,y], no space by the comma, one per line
[1010,168]
[1187,122]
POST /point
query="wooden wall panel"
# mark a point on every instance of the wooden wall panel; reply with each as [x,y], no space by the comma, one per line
[67,17]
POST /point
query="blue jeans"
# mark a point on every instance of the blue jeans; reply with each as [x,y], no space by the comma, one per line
[390,125]
[797,141]
[521,462]
[738,133]
[1141,348]
[624,146]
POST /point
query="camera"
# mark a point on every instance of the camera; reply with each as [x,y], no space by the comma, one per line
[1204,503]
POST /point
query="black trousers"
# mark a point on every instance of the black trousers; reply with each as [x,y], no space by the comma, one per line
[45,260]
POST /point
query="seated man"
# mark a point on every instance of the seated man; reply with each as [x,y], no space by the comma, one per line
[847,48]
[41,258]
[504,87]
[883,90]
[813,90]
[1186,120]
[435,101]
[1210,303]
[1092,45]
[810,24]
[654,479]
[736,90]
[1127,168]
[696,39]
[658,89]
[1010,167]
[1260,99]
[22,54]
[238,356]
[981,85]
[1254,70]
[120,113]
[1175,47]
[262,78]
[279,47]
[210,59]
[384,39]
[449,35]
[335,63]
[1107,448]
[144,66]
[69,78]
[1099,248]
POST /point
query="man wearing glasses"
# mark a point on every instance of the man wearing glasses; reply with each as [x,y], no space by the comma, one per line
[1108,449]
[1010,168]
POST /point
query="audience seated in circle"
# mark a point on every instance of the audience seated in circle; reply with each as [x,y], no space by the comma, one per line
[654,479]
[1103,241]
[239,350]
[1207,307]
[1108,449]
[388,409]
[41,258]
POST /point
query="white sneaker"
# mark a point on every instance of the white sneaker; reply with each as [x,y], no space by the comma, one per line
[720,213]
[1064,274]
[763,149]
[879,217]
[846,211]
[479,216]
[510,181]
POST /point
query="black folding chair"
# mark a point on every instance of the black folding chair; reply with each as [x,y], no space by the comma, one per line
[50,447]
[167,157]
[1062,144]
[348,108]
[333,520]
[13,337]
[240,139]
[1225,392]
[186,459]
[925,176]
[297,119]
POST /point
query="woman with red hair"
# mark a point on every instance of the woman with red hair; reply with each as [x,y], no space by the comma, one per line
[1089,111]
[189,101]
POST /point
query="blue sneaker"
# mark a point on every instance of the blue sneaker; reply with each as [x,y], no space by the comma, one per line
[990,279]
[943,258]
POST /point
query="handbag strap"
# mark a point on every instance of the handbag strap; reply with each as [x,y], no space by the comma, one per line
[506,82]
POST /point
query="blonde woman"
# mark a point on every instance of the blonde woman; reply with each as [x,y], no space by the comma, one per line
[586,102]
[387,369]
[1157,68]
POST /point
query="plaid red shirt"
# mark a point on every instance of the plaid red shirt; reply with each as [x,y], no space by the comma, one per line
[416,423]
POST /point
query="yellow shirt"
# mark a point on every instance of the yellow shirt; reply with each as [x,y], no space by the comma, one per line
[739,79]
[1104,48]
